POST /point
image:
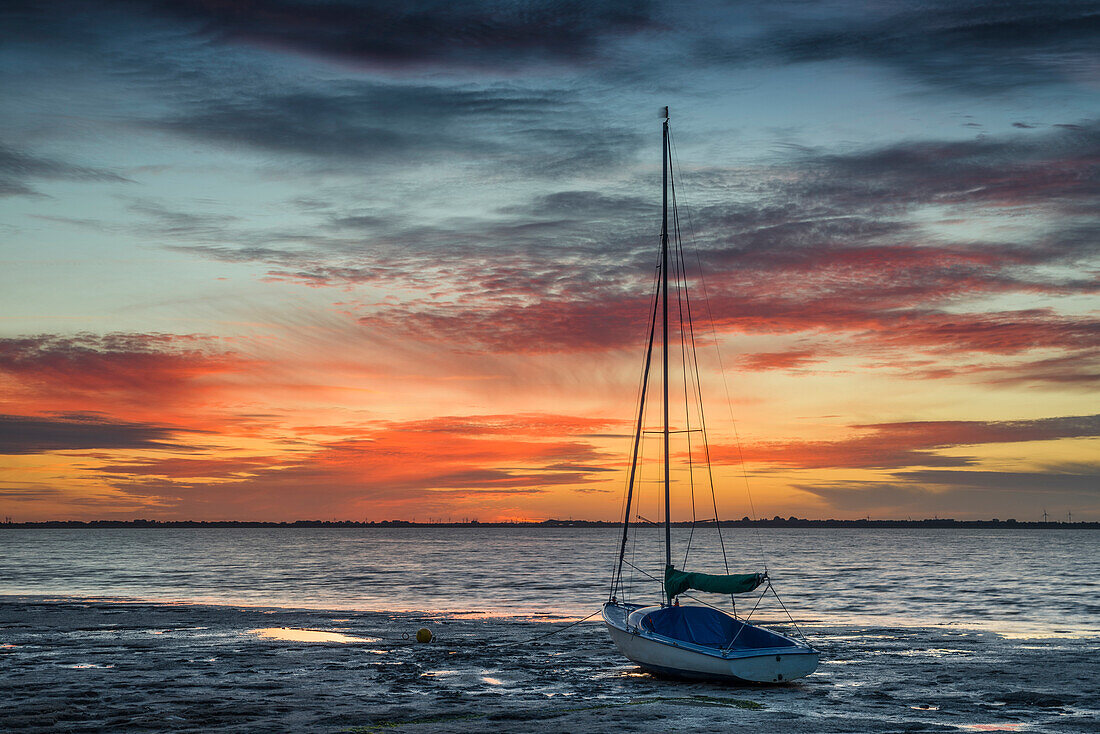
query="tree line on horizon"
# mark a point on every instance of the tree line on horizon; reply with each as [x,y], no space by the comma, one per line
[775,522]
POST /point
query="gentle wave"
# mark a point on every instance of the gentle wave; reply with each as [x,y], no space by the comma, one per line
[1024,582]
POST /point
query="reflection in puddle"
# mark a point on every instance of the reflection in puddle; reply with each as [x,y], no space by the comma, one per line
[438,673]
[296,635]
[474,614]
[1038,633]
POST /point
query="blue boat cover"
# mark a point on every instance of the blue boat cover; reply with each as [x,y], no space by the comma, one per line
[709,627]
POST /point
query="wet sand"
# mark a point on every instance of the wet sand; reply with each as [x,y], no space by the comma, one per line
[85,666]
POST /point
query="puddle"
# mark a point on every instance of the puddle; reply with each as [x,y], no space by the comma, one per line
[1028,633]
[438,673]
[290,634]
[932,652]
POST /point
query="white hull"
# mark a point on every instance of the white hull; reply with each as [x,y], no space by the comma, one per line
[665,656]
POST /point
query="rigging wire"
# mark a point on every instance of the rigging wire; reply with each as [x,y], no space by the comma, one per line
[698,379]
[706,441]
[692,381]
[721,367]
[616,577]
[648,407]
[681,294]
[795,625]
[548,634]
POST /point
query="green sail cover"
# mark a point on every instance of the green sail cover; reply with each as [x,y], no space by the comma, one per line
[677,582]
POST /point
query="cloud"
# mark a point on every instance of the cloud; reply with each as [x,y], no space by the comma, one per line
[178,223]
[547,326]
[421,33]
[962,47]
[969,48]
[18,169]
[998,333]
[522,424]
[791,359]
[1052,480]
[160,59]
[877,316]
[966,492]
[866,498]
[521,131]
[33,435]
[136,363]
[828,245]
[1078,369]
[916,443]
[583,205]
[392,464]
[1052,168]
[177,468]
[144,377]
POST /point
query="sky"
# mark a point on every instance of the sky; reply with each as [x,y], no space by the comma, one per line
[369,260]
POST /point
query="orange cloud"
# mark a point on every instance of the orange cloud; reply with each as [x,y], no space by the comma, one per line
[383,471]
[135,376]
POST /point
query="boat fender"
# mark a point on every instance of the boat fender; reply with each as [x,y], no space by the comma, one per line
[424,635]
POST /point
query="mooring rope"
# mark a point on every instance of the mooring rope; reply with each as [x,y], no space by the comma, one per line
[548,634]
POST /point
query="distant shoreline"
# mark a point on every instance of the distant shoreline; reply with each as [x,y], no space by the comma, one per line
[777,522]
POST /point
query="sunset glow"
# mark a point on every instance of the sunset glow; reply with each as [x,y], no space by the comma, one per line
[315,263]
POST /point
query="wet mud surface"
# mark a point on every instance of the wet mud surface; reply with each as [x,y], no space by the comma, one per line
[105,666]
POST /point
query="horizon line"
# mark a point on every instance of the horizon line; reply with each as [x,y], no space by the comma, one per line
[554,522]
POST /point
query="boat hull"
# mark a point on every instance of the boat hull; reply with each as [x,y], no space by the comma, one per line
[667,657]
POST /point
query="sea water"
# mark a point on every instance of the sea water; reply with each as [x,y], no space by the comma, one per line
[1025,582]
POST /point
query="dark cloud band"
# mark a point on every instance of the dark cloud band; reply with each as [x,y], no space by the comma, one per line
[35,435]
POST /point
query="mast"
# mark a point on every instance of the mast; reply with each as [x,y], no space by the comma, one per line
[662,286]
[664,328]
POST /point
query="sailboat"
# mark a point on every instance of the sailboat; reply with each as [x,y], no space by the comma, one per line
[695,641]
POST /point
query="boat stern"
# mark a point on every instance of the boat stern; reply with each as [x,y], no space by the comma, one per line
[679,659]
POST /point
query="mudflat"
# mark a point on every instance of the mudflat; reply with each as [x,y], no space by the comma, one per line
[90,665]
